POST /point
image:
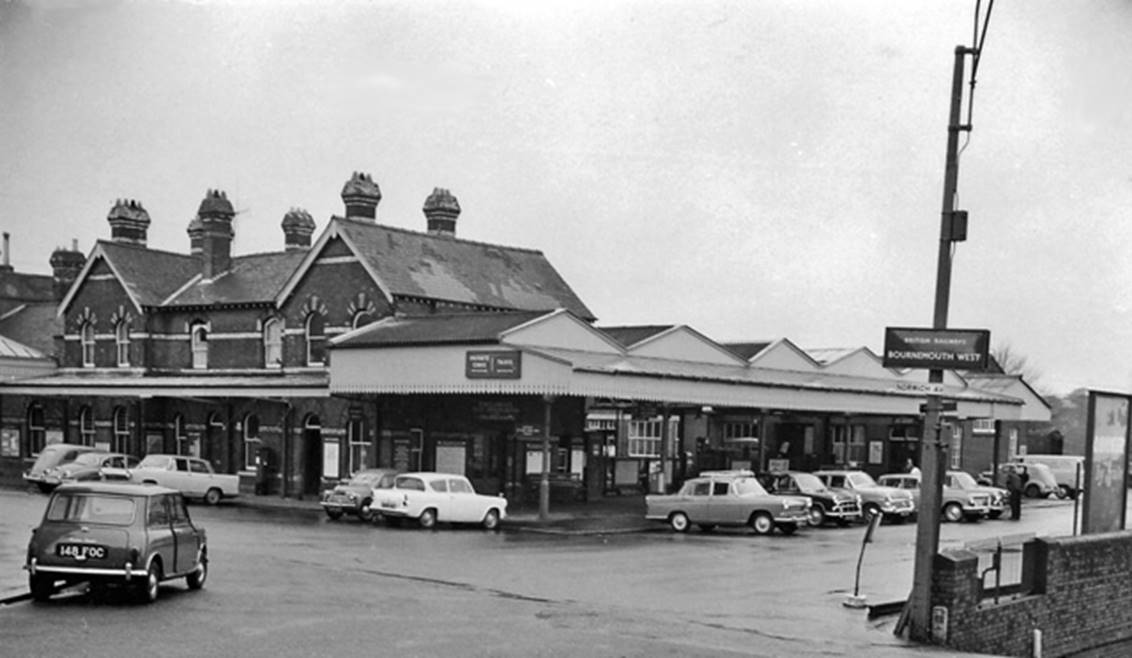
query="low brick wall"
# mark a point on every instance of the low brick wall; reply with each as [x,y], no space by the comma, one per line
[1078,593]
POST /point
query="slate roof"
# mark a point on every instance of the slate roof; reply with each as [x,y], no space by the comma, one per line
[251,278]
[150,275]
[434,329]
[13,349]
[412,264]
[18,288]
[34,325]
[628,336]
[747,350]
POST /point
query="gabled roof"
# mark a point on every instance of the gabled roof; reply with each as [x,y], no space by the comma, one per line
[148,275]
[828,355]
[749,349]
[34,325]
[998,382]
[433,329]
[251,278]
[633,334]
[410,264]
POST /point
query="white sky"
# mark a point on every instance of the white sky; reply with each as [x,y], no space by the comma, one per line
[751,169]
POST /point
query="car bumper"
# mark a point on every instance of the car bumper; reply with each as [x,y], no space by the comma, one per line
[899,508]
[800,516]
[844,512]
[126,572]
[348,508]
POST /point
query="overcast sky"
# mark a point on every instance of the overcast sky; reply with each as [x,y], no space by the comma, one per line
[754,170]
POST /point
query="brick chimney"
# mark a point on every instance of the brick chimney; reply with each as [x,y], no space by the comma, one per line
[215,215]
[361,196]
[128,222]
[7,266]
[298,225]
[441,209]
[65,267]
[196,236]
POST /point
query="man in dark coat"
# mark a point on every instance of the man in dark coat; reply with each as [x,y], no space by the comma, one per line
[1014,487]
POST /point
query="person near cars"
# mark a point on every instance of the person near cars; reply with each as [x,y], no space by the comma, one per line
[911,468]
[1014,485]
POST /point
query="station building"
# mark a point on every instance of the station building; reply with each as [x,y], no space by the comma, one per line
[379,346]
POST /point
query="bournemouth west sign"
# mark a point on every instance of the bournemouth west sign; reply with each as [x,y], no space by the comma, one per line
[936,349]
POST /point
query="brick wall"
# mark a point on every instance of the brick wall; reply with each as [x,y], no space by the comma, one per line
[1080,598]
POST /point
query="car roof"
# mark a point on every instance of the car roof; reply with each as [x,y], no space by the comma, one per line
[430,475]
[120,488]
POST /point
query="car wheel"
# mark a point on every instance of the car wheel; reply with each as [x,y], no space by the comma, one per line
[762,523]
[871,510]
[817,515]
[491,519]
[953,512]
[787,528]
[147,589]
[334,514]
[42,587]
[213,496]
[1065,491]
[679,522]
[196,577]
[1033,491]
[364,512]
[428,519]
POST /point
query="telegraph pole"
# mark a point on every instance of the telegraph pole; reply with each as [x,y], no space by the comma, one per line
[932,450]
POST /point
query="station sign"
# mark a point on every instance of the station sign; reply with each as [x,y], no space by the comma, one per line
[493,364]
[936,349]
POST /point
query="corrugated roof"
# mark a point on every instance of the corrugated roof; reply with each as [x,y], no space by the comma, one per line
[632,334]
[433,329]
[151,275]
[34,325]
[444,268]
[251,278]
[13,349]
[747,350]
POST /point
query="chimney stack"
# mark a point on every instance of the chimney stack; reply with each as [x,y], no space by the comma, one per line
[128,222]
[298,225]
[66,264]
[7,266]
[215,216]
[361,196]
[441,209]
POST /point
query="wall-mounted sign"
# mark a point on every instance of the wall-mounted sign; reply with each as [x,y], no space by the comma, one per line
[936,349]
[496,364]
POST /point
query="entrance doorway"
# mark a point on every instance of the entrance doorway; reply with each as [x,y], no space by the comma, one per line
[313,456]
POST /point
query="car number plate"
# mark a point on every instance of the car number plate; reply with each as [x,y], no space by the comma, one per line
[81,551]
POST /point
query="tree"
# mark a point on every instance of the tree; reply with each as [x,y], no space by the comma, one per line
[1012,362]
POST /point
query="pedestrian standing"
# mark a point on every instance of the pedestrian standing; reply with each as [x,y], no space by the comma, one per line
[1014,487]
[910,467]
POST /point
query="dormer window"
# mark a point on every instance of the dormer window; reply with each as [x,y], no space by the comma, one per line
[273,343]
[87,339]
[316,340]
[198,341]
[122,340]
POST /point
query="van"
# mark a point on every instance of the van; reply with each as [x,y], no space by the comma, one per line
[51,456]
[1064,468]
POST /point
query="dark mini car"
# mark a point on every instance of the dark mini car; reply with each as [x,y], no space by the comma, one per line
[825,504]
[355,496]
[115,534]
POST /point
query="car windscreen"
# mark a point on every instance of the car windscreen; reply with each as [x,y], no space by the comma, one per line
[809,483]
[862,479]
[89,458]
[749,486]
[409,483]
[91,508]
[963,480]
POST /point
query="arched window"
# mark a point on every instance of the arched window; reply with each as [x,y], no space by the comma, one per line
[122,340]
[362,319]
[316,340]
[121,430]
[87,338]
[198,340]
[86,427]
[251,441]
[37,431]
[273,343]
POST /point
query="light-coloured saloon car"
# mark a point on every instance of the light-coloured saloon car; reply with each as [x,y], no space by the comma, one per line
[728,499]
[193,477]
[956,504]
[433,498]
[894,504]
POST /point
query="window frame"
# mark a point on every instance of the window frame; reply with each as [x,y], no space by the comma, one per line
[37,431]
[86,426]
[198,345]
[273,330]
[359,447]
[87,342]
[252,442]
[315,342]
[122,343]
[121,429]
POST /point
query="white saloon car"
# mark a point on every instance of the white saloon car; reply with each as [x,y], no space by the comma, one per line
[438,497]
[193,477]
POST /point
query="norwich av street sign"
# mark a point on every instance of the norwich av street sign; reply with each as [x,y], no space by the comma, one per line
[936,349]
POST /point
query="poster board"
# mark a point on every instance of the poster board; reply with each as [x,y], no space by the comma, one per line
[10,442]
[451,457]
[1106,463]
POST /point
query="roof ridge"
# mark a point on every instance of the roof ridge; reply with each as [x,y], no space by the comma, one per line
[425,234]
[141,248]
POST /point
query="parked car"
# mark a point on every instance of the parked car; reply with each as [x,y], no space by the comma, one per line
[51,456]
[1066,470]
[728,498]
[191,476]
[433,498]
[95,465]
[115,533]
[355,495]
[825,504]
[894,504]
[1039,480]
[999,498]
[955,505]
